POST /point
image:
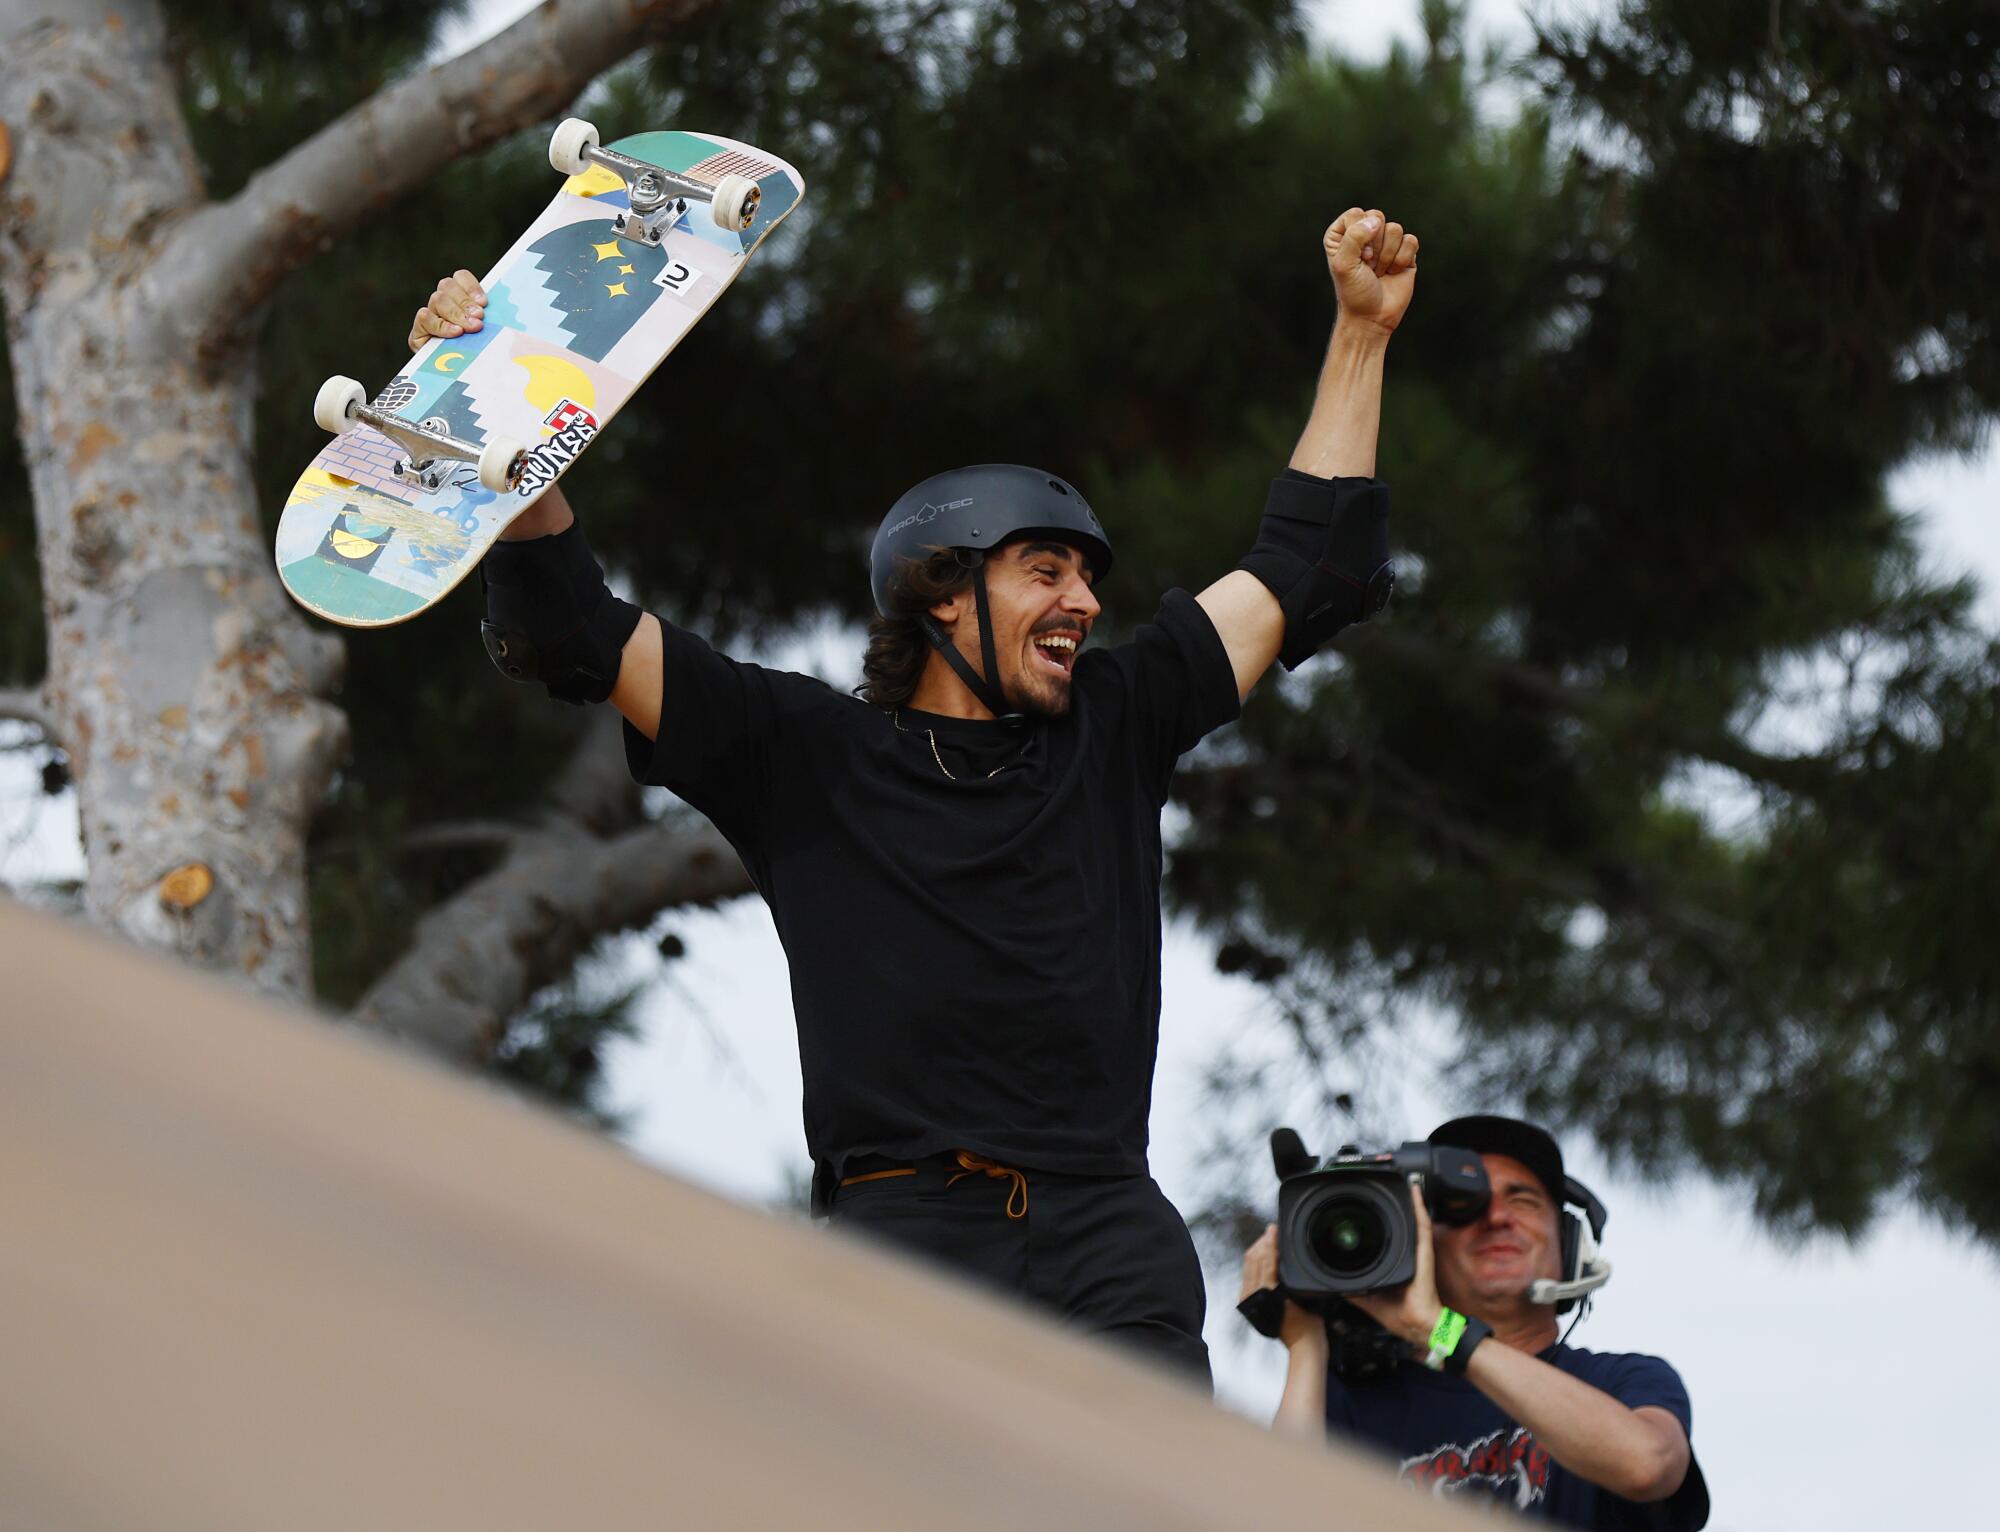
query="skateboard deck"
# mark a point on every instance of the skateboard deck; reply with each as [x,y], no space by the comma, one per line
[576,319]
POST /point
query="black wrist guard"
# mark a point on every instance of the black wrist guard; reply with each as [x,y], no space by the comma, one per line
[1323,551]
[1265,1310]
[551,618]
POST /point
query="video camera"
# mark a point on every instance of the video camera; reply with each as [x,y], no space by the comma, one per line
[1346,1226]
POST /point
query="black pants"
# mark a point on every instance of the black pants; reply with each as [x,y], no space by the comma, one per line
[1107,1254]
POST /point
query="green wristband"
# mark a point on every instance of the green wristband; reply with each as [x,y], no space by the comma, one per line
[1444,1338]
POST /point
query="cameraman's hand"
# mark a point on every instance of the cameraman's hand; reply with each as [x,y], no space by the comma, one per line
[1260,1270]
[1410,1311]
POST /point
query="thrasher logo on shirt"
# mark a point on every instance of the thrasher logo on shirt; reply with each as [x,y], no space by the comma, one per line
[1509,1464]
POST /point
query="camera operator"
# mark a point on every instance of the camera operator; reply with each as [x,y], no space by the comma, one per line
[1489,1401]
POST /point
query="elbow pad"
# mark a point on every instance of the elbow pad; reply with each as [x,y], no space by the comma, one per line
[1323,551]
[551,618]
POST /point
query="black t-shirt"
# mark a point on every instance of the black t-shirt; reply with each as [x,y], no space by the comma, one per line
[975,962]
[1451,1439]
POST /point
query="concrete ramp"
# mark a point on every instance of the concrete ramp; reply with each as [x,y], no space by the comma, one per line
[257,1272]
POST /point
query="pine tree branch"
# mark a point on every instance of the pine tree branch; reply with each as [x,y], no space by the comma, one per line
[1801,774]
[1619,888]
[217,268]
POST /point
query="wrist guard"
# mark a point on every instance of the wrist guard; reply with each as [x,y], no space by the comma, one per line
[1323,551]
[551,618]
[1265,1310]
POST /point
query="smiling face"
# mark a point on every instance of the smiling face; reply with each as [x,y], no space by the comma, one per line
[1042,606]
[1485,1267]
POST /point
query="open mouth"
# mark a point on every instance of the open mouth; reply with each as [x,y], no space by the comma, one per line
[1057,651]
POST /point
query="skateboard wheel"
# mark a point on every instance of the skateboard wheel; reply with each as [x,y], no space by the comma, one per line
[336,397]
[735,205]
[566,145]
[496,464]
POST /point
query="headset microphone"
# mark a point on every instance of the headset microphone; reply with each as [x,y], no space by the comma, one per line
[1595,1275]
[1584,1268]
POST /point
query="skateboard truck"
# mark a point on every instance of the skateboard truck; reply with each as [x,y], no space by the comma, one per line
[429,448]
[653,211]
[657,197]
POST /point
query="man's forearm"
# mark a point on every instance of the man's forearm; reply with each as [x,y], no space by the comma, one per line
[1636,1454]
[1340,434]
[546,517]
[638,690]
[1338,442]
[1302,1409]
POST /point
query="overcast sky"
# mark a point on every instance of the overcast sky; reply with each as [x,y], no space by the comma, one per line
[1834,1389]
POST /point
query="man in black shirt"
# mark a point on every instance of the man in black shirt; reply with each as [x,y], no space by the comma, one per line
[963,864]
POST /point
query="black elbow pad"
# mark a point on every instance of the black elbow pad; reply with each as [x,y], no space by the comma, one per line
[1323,550]
[551,618]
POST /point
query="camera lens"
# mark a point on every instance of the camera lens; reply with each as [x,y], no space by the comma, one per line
[1347,1235]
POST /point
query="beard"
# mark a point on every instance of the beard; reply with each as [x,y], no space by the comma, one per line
[1036,690]
[1041,697]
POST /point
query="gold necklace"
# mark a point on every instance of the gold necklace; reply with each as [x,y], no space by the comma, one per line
[896,718]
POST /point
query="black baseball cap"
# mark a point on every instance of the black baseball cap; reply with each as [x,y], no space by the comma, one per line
[1522,1141]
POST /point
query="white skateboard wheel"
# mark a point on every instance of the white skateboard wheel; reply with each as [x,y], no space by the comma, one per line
[735,206]
[566,145]
[496,464]
[336,396]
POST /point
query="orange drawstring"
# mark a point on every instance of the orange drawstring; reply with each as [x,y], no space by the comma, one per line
[880,1175]
[978,1162]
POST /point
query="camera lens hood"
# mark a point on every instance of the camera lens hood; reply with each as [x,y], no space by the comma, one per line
[1345,1228]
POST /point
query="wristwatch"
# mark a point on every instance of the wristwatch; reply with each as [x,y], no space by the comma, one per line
[1476,1330]
[1452,1340]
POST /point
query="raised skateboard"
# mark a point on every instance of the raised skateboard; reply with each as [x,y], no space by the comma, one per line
[416,484]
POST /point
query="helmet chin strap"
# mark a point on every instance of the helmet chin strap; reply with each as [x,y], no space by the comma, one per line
[981,687]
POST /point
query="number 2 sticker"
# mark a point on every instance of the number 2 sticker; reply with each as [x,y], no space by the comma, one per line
[676,276]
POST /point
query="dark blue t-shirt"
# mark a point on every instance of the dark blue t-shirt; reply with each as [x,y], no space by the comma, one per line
[1449,1438]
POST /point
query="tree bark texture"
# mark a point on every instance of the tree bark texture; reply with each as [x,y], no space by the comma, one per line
[185,688]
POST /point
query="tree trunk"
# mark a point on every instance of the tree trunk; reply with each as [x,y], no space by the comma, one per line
[182,684]
[184,687]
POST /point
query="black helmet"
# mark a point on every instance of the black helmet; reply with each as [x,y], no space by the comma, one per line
[981,507]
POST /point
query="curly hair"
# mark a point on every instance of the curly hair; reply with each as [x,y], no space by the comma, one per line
[897,648]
